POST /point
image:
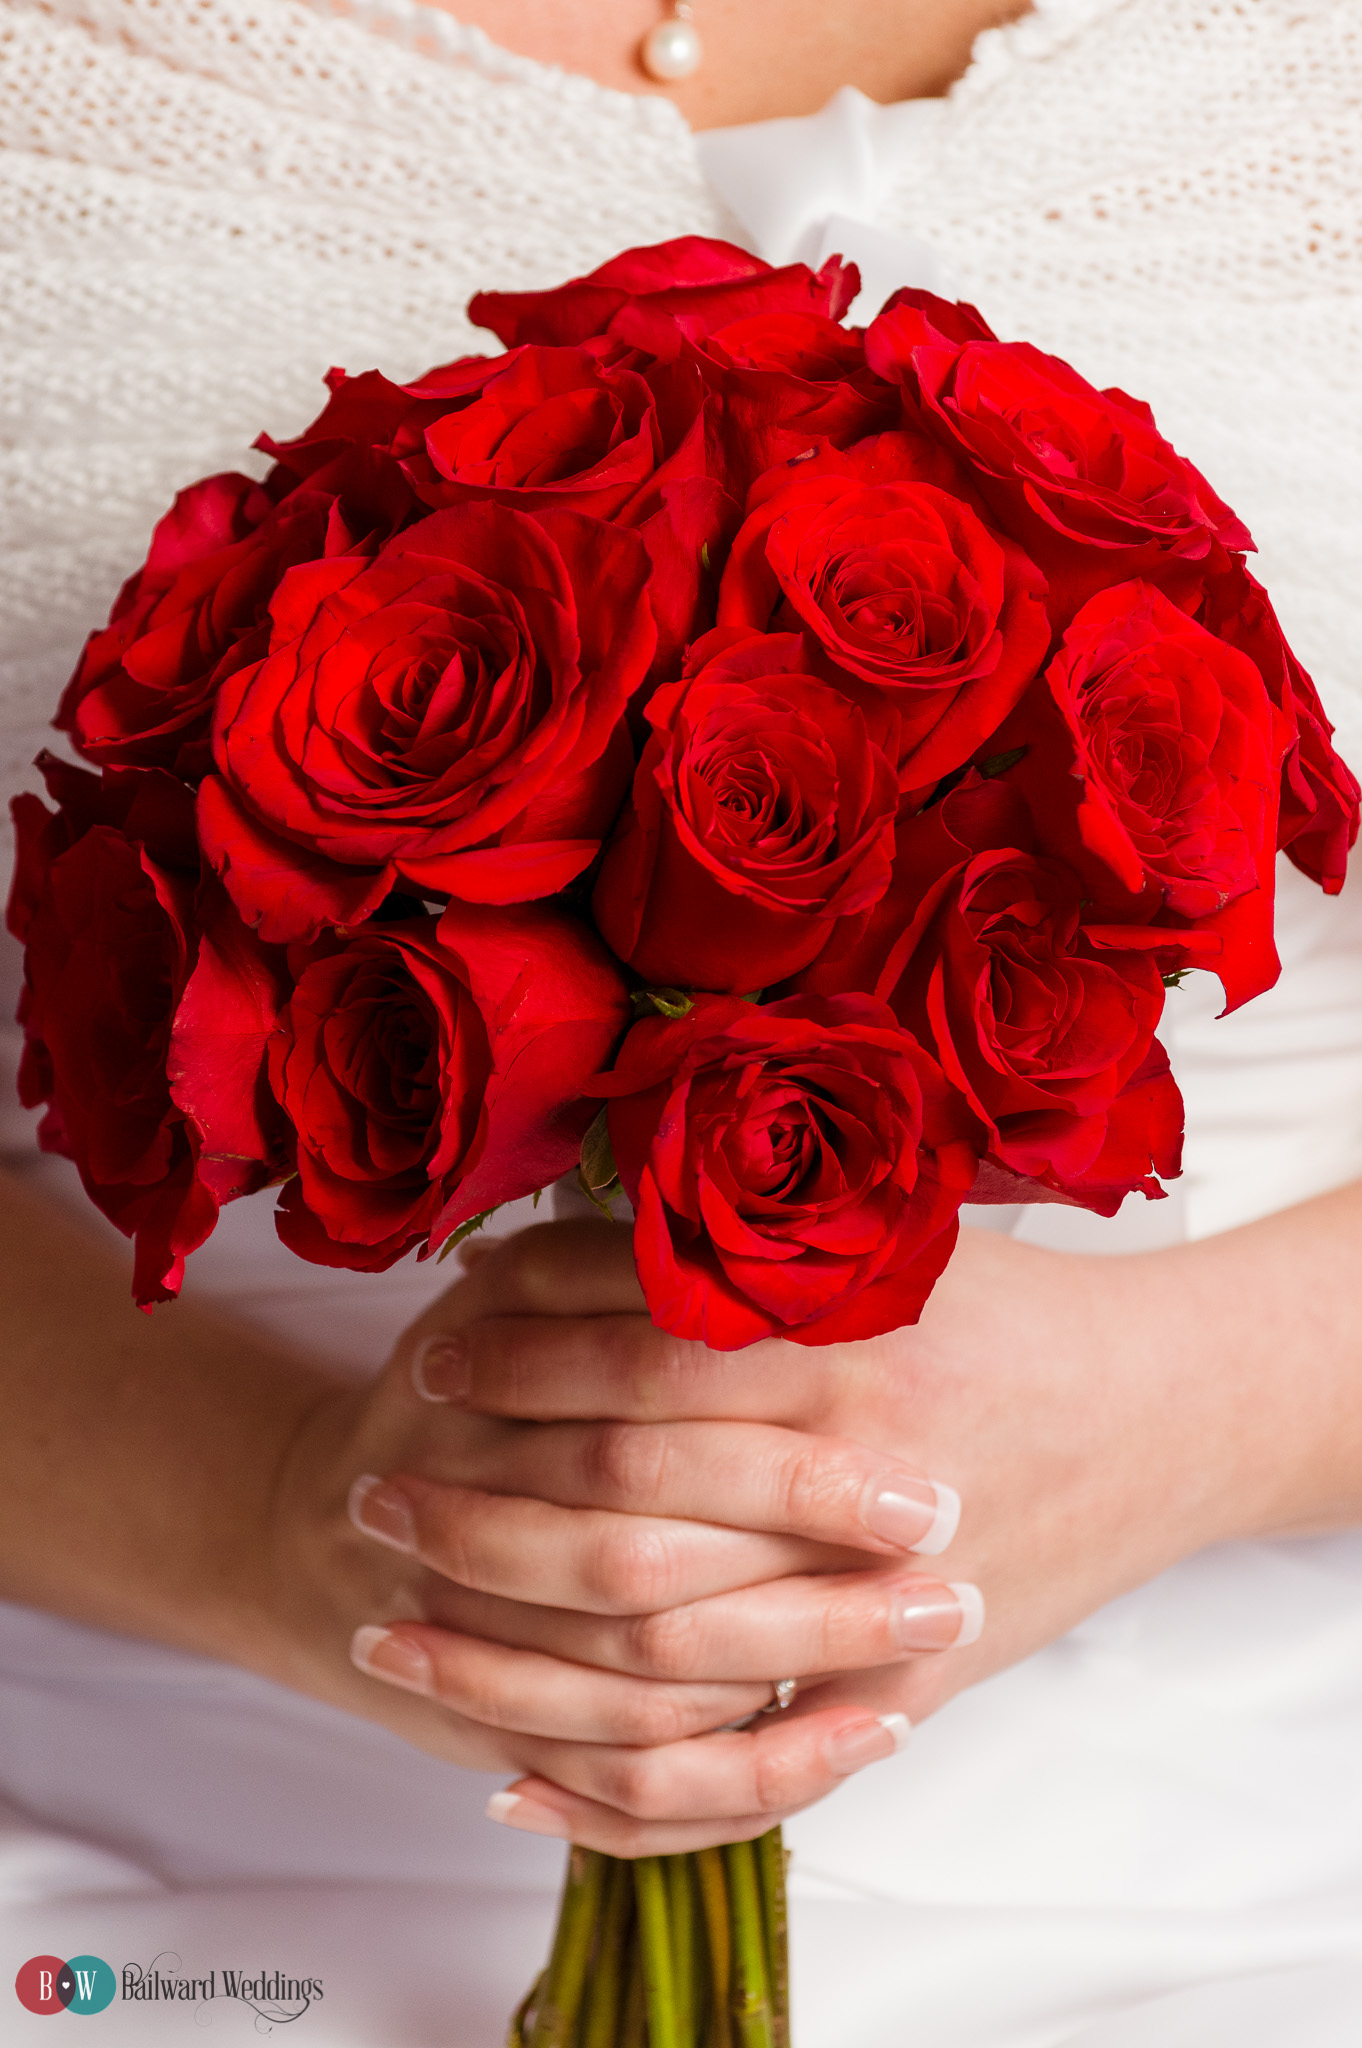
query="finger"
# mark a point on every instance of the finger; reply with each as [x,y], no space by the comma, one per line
[581,1266]
[780,1764]
[531,1550]
[524,1692]
[545,1367]
[799,1627]
[744,1474]
[539,1808]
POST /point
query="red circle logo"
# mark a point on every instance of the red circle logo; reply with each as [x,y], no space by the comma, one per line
[41,1986]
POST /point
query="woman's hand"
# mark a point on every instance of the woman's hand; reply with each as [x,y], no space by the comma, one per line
[1101,1417]
[526,1588]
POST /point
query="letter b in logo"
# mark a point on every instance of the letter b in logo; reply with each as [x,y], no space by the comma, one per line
[46,1984]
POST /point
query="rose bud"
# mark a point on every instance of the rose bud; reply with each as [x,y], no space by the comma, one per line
[144,688]
[762,811]
[1170,740]
[146,1009]
[795,1171]
[433,1069]
[903,591]
[1318,819]
[1040,1020]
[1081,477]
[658,297]
[450,714]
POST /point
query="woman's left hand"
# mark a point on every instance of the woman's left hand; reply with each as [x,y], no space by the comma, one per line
[1070,1400]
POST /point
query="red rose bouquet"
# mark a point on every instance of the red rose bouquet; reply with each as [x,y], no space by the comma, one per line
[778,764]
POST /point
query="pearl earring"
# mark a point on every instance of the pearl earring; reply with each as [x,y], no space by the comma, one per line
[672,49]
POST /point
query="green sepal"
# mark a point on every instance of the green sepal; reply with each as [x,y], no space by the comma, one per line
[456,1237]
[598,1176]
[668,1002]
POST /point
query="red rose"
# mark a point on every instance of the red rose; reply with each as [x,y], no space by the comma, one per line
[582,428]
[785,382]
[450,712]
[1176,750]
[902,588]
[144,691]
[146,1010]
[763,810]
[1082,477]
[1317,822]
[795,1171]
[658,297]
[552,426]
[370,414]
[432,1069]
[1042,1022]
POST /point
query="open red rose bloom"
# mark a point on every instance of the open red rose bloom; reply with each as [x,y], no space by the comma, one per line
[802,753]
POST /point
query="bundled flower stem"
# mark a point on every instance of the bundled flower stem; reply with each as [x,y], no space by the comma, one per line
[666,1952]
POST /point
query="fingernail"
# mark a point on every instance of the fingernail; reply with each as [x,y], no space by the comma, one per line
[515,1811]
[385,1655]
[928,1616]
[380,1510]
[971,1613]
[442,1370]
[913,1514]
[866,1742]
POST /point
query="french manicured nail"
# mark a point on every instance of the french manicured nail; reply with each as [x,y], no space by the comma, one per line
[443,1371]
[380,1510]
[866,1742]
[913,1514]
[932,1617]
[513,1810]
[385,1655]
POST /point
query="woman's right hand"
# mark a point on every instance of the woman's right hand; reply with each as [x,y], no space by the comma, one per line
[495,1521]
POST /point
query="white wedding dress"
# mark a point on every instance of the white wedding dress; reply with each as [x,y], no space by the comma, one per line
[1150,1834]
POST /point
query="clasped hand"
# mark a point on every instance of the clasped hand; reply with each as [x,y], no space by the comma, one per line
[561,1545]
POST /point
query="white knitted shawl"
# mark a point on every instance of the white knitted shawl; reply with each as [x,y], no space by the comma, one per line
[204,203]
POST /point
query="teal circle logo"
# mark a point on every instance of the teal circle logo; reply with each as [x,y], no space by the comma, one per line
[93,1984]
[46,1984]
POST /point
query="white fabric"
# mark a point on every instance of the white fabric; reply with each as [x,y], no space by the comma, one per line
[1151,1833]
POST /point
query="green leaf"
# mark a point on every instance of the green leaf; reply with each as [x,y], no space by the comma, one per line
[668,1002]
[1177,977]
[597,1176]
[704,556]
[998,764]
[456,1237]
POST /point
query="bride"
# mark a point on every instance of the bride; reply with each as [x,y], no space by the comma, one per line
[1091,1528]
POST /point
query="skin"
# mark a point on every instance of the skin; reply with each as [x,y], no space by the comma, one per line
[762,58]
[619,1539]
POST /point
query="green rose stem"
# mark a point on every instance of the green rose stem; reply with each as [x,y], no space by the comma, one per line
[655,1944]
[709,1870]
[771,1866]
[681,1907]
[555,2019]
[606,1985]
[751,1985]
[634,2030]
[629,1968]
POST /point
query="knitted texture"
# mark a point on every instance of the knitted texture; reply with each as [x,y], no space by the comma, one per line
[1169,193]
[204,203]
